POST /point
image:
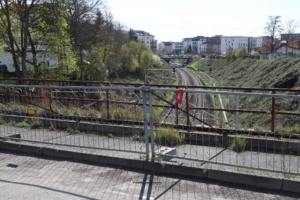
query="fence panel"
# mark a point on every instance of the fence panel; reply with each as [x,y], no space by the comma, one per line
[240,137]
[241,129]
[73,116]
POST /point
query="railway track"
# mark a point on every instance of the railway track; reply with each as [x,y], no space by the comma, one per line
[187,78]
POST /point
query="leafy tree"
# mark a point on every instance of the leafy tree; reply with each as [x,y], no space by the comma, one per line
[32,25]
[240,53]
[230,54]
[80,14]
[95,70]
[16,12]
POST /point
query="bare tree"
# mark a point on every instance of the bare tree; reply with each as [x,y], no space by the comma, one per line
[289,29]
[273,29]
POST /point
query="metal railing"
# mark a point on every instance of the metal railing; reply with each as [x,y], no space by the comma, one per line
[129,119]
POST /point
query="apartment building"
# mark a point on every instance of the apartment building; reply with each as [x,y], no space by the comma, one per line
[146,38]
[234,42]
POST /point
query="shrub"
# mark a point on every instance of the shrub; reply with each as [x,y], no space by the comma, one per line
[23,124]
[37,124]
[238,144]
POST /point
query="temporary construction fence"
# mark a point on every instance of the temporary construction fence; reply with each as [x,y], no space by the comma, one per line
[148,121]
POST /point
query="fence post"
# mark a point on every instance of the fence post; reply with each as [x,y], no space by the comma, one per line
[151,126]
[187,108]
[237,98]
[50,97]
[107,102]
[176,114]
[145,122]
[273,112]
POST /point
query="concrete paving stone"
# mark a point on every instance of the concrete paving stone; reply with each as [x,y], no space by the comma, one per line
[27,177]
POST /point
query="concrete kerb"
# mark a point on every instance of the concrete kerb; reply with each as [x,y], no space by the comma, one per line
[233,177]
[82,126]
[246,179]
[291,186]
[259,144]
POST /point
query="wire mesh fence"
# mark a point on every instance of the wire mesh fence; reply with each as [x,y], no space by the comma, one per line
[208,126]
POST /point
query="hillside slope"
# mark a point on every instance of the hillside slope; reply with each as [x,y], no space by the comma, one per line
[282,72]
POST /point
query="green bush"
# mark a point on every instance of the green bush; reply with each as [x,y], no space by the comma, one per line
[23,124]
[37,124]
[238,144]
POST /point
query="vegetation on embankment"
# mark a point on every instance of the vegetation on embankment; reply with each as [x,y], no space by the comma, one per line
[282,72]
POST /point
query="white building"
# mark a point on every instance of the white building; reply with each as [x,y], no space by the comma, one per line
[234,42]
[177,47]
[146,38]
[50,60]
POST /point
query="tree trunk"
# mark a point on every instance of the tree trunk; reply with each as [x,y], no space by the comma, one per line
[11,41]
[36,68]
[81,63]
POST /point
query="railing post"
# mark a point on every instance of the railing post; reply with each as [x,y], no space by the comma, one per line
[237,98]
[151,126]
[187,108]
[50,97]
[273,112]
[107,103]
[145,122]
[176,114]
[45,95]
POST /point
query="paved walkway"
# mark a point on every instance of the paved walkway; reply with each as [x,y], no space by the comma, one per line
[26,177]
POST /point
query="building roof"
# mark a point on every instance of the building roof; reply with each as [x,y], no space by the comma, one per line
[168,43]
[142,33]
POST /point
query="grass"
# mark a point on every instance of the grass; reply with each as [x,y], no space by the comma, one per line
[72,130]
[168,137]
[238,144]
[139,138]
[52,127]
[268,74]
[156,158]
[289,175]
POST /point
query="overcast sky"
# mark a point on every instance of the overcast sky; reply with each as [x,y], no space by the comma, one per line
[173,20]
